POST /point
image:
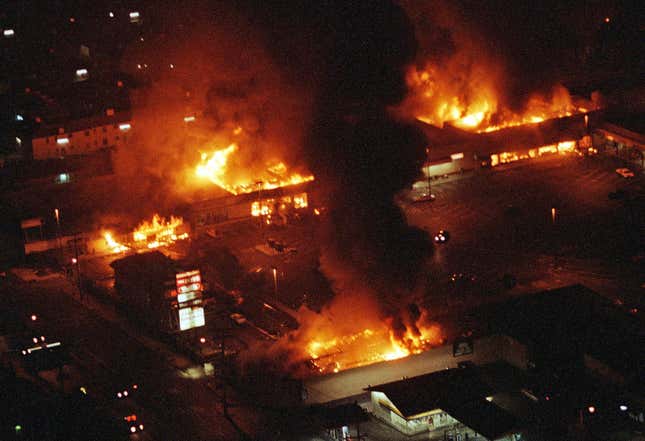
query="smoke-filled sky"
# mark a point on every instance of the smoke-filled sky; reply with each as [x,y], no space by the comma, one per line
[313,83]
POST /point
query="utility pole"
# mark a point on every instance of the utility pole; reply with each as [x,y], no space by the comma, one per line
[58,236]
[223,355]
[428,171]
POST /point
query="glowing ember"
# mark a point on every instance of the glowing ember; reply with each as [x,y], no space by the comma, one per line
[159,232]
[215,166]
[470,101]
[115,246]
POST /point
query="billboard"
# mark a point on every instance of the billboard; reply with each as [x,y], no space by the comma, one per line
[189,297]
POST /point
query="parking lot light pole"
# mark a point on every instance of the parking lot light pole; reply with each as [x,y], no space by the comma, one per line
[60,243]
[275,282]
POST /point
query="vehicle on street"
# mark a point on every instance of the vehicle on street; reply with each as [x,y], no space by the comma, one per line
[625,172]
[127,390]
[424,198]
[238,318]
[442,237]
[133,423]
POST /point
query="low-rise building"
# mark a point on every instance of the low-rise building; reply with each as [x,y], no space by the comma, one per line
[82,136]
[155,290]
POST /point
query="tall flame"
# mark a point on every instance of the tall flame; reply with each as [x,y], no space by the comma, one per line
[215,167]
[332,353]
[158,232]
[470,101]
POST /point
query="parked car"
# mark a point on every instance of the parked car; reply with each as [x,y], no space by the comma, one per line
[625,172]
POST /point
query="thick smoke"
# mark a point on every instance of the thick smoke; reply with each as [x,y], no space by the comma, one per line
[353,54]
[209,64]
[508,54]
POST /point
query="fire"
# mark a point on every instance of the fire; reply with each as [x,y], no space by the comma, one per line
[371,345]
[115,246]
[159,232]
[215,166]
[470,100]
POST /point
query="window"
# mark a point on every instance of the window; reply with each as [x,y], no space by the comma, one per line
[117,137]
[105,141]
[104,129]
[114,126]
[47,140]
[87,133]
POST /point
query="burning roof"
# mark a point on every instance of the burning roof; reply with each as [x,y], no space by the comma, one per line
[217,168]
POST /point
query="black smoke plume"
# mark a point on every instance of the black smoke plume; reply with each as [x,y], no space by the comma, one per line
[353,54]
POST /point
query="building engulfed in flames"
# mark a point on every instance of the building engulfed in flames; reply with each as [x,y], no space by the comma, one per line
[331,353]
[472,103]
[216,168]
[158,232]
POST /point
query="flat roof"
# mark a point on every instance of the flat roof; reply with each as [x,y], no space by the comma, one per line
[574,318]
[461,392]
[437,390]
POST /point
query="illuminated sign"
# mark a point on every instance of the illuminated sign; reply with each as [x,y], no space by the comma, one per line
[191,318]
[456,156]
[181,298]
[124,127]
[62,141]
[189,293]
[8,33]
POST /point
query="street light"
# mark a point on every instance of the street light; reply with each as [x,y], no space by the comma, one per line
[275,281]
[60,244]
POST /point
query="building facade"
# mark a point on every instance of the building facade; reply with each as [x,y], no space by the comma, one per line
[82,137]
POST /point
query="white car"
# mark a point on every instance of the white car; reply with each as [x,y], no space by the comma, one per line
[625,172]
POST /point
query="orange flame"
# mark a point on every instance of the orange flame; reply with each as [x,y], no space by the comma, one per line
[215,166]
[114,246]
[470,101]
[371,345]
[158,232]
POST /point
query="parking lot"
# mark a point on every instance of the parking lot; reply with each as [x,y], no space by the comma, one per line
[547,223]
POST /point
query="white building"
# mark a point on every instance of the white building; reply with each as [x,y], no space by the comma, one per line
[82,136]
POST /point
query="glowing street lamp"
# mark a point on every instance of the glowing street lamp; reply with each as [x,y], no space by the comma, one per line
[275,281]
